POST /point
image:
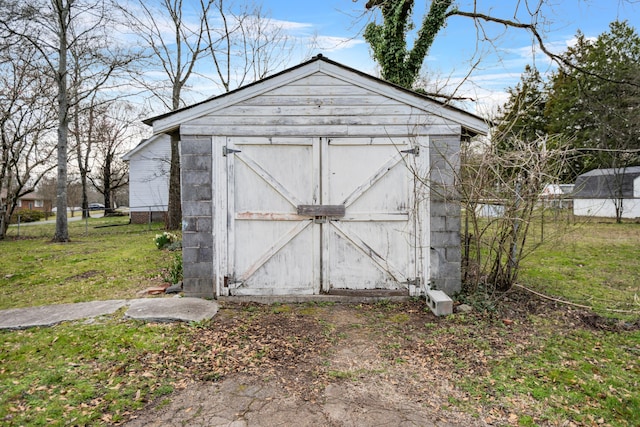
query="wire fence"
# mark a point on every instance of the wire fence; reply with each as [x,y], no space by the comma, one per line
[94,222]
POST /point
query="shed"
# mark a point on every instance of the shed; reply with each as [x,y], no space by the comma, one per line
[319,180]
[149,163]
[600,191]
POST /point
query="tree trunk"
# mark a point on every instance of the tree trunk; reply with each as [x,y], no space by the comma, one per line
[174,214]
[106,189]
[174,206]
[4,224]
[82,164]
[619,208]
[62,229]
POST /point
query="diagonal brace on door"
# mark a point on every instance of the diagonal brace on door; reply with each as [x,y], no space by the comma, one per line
[373,179]
[382,263]
[269,179]
[273,249]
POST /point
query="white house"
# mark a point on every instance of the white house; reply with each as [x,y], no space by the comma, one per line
[600,191]
[149,178]
[320,180]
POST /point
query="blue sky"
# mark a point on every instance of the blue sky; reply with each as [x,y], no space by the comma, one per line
[337,27]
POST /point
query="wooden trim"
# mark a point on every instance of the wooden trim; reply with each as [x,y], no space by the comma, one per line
[269,216]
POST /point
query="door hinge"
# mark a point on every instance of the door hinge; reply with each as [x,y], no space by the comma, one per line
[226,151]
[414,282]
[415,151]
[231,282]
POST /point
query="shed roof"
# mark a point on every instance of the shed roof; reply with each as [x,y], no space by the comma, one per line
[141,146]
[606,183]
[471,123]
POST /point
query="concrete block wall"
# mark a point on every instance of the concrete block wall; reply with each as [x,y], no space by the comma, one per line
[197,216]
[445,214]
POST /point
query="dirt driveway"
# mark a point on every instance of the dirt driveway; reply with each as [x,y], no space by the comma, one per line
[383,364]
[304,365]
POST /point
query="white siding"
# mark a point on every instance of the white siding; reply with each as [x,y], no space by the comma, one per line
[149,176]
[605,208]
[320,105]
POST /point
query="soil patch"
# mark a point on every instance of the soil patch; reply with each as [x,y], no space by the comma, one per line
[86,275]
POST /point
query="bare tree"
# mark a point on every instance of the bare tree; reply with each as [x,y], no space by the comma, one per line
[400,52]
[176,47]
[500,191]
[55,28]
[26,124]
[246,45]
[112,134]
[242,44]
[82,132]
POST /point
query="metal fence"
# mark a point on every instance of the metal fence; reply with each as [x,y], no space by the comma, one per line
[94,222]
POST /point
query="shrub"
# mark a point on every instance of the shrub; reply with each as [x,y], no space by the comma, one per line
[27,216]
[165,239]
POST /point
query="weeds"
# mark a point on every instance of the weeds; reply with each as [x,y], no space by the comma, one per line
[175,269]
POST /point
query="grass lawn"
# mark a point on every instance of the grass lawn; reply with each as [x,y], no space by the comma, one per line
[113,261]
[595,264]
[529,361]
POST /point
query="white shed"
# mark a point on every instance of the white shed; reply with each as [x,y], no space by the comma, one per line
[601,191]
[319,180]
[149,165]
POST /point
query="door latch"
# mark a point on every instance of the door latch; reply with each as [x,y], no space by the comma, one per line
[226,151]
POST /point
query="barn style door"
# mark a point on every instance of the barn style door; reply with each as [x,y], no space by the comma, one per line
[311,215]
[372,246]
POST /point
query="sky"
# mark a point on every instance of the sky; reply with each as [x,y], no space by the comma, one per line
[337,26]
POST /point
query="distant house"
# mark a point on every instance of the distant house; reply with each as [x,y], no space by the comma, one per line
[31,201]
[557,196]
[149,178]
[598,192]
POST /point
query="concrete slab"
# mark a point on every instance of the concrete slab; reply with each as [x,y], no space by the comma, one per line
[48,315]
[147,309]
[172,309]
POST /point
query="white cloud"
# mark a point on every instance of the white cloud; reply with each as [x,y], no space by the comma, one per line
[290,25]
[333,43]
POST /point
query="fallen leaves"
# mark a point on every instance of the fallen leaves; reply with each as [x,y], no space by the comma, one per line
[305,348]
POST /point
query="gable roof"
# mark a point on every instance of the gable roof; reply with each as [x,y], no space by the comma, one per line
[471,123]
[31,195]
[606,183]
[142,145]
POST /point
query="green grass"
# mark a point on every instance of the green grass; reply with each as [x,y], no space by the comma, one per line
[579,376]
[593,264]
[109,263]
[79,374]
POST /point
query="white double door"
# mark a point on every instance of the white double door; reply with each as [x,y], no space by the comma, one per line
[313,215]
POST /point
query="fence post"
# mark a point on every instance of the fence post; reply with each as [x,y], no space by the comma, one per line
[149,221]
[2,213]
